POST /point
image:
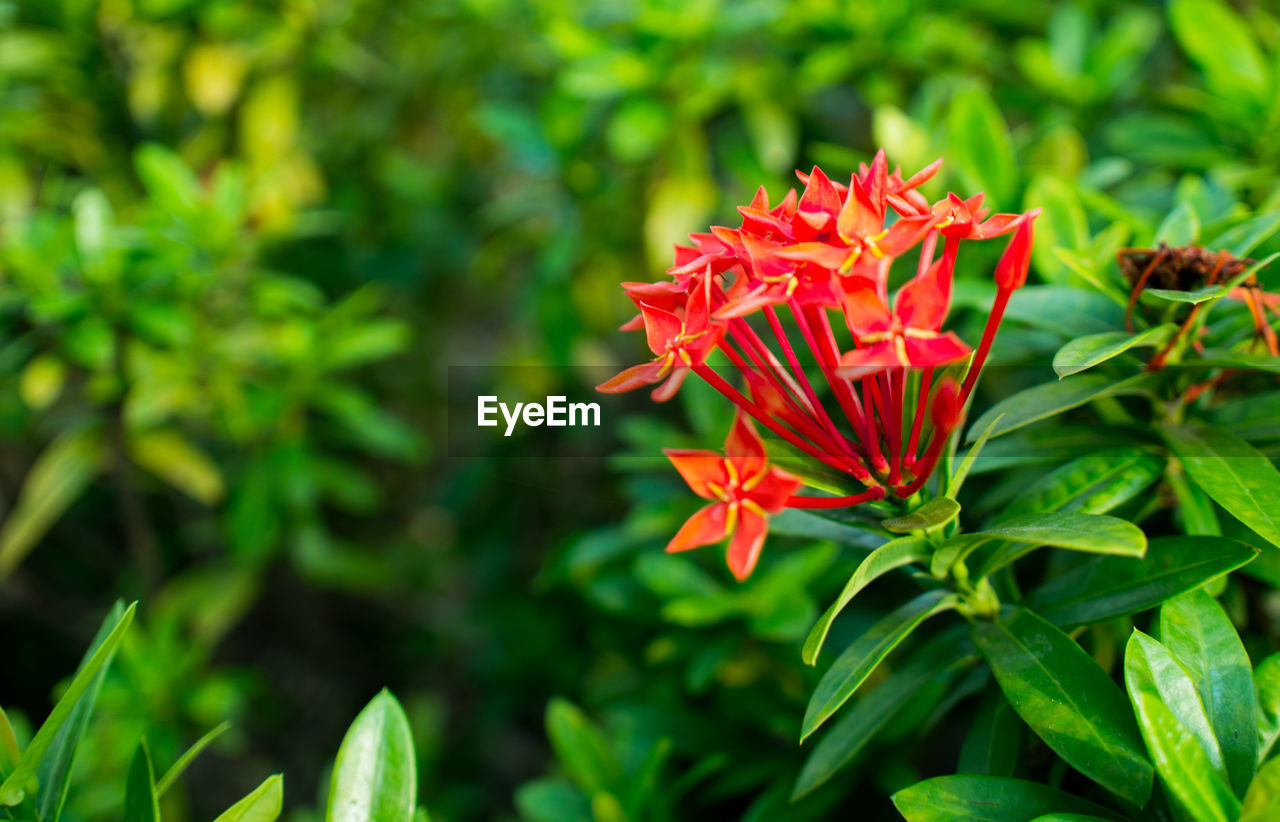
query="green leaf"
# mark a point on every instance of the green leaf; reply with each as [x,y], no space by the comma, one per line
[175,459]
[1070,702]
[1180,227]
[1091,533]
[374,776]
[1104,588]
[1062,225]
[966,464]
[188,757]
[1150,667]
[16,786]
[140,801]
[796,523]
[857,662]
[1266,684]
[166,178]
[893,554]
[981,146]
[1042,401]
[970,798]
[994,741]
[1245,237]
[1083,353]
[1184,767]
[1223,46]
[1262,801]
[1093,484]
[580,747]
[59,476]
[1231,471]
[1198,632]
[264,803]
[940,658]
[54,772]
[552,800]
[933,514]
[1193,297]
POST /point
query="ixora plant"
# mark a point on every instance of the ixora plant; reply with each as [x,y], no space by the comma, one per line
[374,774]
[875,402]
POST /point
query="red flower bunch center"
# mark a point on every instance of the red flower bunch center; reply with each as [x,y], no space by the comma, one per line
[829,249]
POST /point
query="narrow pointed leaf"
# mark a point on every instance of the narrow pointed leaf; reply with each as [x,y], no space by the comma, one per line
[580,747]
[1104,588]
[1042,401]
[893,554]
[1234,473]
[1093,484]
[933,514]
[1184,767]
[263,804]
[1200,635]
[971,798]
[1083,353]
[374,776]
[1150,667]
[994,740]
[140,801]
[857,662]
[1071,703]
[941,657]
[55,768]
[18,783]
[188,756]
[966,464]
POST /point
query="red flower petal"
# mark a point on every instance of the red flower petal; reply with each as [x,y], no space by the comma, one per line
[698,467]
[923,301]
[744,446]
[632,378]
[864,307]
[942,350]
[660,327]
[863,362]
[669,388]
[748,539]
[775,489]
[703,528]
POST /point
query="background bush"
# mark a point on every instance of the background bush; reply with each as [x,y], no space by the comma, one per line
[242,243]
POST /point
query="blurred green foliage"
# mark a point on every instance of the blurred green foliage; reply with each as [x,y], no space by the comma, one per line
[240,242]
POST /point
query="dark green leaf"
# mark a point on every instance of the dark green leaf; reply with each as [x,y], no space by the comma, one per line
[939,659]
[969,798]
[580,747]
[933,514]
[857,662]
[1104,588]
[796,523]
[1071,703]
[1198,632]
[994,741]
[1042,401]
[1085,352]
[1234,473]
[893,554]
[1266,683]
[1093,484]
[140,801]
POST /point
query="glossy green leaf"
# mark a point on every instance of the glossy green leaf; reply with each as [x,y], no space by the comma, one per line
[1231,471]
[54,772]
[1042,401]
[1063,224]
[188,756]
[1193,297]
[60,474]
[1093,484]
[580,747]
[1184,767]
[939,659]
[1242,239]
[264,803]
[1071,703]
[1198,632]
[140,801]
[893,554]
[1151,667]
[933,514]
[1083,353]
[374,776]
[856,663]
[794,522]
[971,798]
[1223,45]
[1103,588]
[1262,801]
[18,783]
[1266,684]
[966,465]
[994,740]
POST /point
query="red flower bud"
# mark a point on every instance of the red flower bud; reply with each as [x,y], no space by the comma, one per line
[1011,271]
[946,409]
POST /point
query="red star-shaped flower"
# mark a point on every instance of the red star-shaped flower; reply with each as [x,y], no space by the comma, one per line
[746,491]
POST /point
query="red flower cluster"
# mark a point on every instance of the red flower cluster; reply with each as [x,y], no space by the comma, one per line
[829,249]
